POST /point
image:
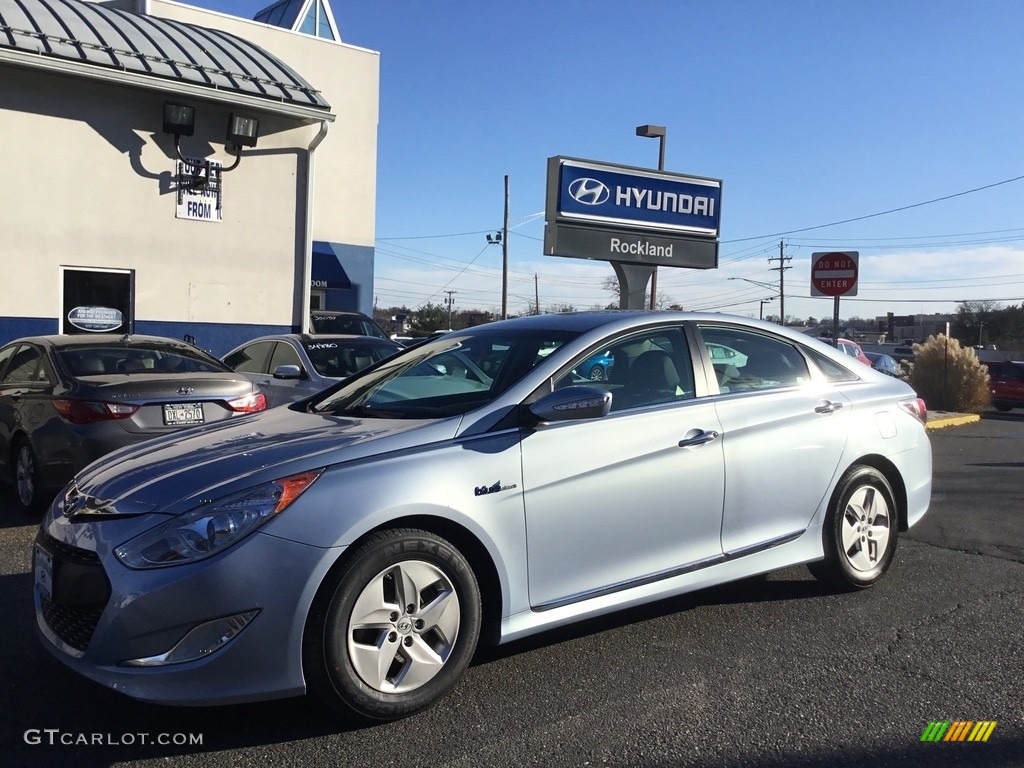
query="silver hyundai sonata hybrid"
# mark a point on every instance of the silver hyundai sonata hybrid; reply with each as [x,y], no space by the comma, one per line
[359,544]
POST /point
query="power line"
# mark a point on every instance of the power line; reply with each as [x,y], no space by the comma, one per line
[880,213]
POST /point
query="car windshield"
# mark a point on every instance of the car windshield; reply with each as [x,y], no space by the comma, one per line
[447,377]
[136,358]
[338,358]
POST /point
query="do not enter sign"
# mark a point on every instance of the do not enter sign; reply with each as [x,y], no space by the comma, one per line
[834,273]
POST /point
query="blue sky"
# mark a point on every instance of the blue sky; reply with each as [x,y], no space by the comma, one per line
[810,112]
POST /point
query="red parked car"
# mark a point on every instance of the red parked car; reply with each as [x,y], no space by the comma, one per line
[1006,383]
[852,348]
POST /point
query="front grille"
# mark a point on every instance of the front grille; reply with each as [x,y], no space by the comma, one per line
[68,552]
[72,625]
[81,590]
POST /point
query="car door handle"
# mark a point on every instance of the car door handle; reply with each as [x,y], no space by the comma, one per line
[827,406]
[699,439]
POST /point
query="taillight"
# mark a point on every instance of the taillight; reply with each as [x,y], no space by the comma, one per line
[916,408]
[90,411]
[249,404]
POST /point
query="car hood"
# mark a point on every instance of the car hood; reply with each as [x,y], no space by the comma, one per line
[174,473]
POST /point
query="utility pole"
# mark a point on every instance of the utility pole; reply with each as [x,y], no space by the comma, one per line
[536,295]
[781,269]
[450,301]
[504,258]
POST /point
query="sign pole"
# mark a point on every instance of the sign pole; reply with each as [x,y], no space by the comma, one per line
[835,322]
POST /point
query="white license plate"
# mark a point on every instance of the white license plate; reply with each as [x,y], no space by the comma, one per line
[44,573]
[178,414]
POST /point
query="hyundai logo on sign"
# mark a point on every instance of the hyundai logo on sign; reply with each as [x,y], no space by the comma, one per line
[637,198]
[589,192]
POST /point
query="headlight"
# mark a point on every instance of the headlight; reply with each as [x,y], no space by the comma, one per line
[204,531]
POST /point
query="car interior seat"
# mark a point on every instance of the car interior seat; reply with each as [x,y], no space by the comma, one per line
[653,378]
[90,366]
[130,365]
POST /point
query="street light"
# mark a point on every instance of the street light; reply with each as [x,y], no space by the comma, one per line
[760,315]
[769,286]
[654,132]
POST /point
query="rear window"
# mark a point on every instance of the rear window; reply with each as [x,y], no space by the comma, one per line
[106,359]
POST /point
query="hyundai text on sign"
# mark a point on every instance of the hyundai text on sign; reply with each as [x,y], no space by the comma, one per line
[834,273]
[628,197]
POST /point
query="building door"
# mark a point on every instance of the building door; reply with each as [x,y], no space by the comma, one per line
[97,301]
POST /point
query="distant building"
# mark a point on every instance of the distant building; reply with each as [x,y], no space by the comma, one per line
[902,329]
[101,219]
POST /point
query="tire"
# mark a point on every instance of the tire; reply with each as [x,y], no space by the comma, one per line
[596,373]
[394,627]
[860,531]
[27,486]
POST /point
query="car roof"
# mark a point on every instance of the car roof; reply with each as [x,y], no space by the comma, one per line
[71,340]
[316,338]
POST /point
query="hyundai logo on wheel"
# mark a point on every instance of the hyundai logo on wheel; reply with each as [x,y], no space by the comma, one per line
[589,191]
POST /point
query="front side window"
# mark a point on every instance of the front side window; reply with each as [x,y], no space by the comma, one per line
[251,358]
[744,360]
[648,368]
[284,354]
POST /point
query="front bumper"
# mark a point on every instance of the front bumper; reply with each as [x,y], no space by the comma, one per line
[103,614]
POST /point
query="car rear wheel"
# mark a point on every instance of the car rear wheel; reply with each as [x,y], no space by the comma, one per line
[860,531]
[26,477]
[597,373]
[394,627]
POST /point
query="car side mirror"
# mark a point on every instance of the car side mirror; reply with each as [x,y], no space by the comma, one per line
[573,403]
[287,372]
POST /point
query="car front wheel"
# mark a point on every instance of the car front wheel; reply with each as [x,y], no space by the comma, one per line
[394,628]
[26,477]
[860,531]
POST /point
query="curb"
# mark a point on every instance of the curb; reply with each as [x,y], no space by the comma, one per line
[941,420]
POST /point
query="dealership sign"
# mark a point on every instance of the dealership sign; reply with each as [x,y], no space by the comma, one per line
[619,213]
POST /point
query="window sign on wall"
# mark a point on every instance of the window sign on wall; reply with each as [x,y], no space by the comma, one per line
[199,189]
[96,300]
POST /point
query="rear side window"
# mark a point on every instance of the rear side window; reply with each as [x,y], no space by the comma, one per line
[832,370]
[744,360]
[26,366]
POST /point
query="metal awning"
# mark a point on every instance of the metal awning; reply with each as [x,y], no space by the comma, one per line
[104,43]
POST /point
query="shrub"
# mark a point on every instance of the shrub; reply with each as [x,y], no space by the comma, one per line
[949,377]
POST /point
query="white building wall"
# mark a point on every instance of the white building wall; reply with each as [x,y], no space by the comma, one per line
[349,78]
[86,181]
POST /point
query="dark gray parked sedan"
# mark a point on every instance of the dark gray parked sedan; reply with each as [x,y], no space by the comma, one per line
[358,544]
[67,400]
[291,366]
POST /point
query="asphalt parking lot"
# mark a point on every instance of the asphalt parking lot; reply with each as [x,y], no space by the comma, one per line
[765,673]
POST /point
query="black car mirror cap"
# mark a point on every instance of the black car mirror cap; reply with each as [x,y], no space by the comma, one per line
[573,403]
